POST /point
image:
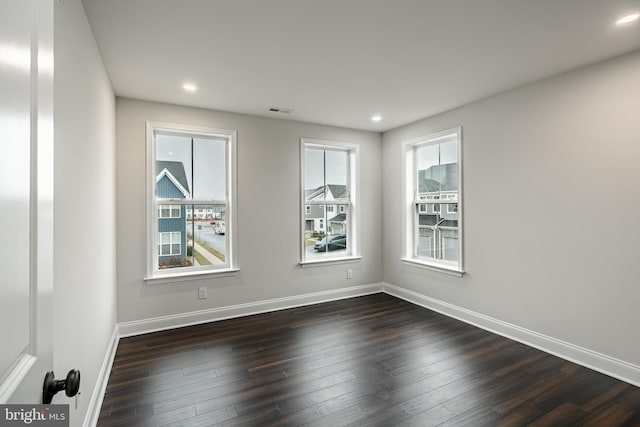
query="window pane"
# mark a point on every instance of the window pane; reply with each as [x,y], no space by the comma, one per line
[326,232]
[314,177]
[325,174]
[336,168]
[173,167]
[437,235]
[450,246]
[208,226]
[192,168]
[425,242]
[209,169]
[437,173]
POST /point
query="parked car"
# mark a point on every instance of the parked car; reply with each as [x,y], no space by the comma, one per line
[218,227]
[331,243]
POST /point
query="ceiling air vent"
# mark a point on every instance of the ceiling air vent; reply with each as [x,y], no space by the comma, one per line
[280,110]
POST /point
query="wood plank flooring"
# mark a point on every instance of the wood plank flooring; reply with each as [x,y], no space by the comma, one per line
[367,361]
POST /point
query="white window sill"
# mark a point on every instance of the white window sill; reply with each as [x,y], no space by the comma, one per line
[433,267]
[196,275]
[329,261]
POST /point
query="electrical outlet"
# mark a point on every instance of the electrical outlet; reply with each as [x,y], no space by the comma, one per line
[349,273]
[202,293]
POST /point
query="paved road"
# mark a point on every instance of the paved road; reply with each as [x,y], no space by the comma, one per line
[208,236]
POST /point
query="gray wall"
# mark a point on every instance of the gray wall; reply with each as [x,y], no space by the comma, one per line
[551,208]
[268,213]
[84,300]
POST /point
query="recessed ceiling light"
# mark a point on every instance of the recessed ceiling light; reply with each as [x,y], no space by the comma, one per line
[189,87]
[376,118]
[629,19]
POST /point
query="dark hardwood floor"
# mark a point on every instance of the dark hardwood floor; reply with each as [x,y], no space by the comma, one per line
[367,361]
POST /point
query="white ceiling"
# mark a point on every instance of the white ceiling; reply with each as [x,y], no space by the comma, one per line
[338,62]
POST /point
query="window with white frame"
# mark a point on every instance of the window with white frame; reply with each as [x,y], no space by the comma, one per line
[329,181]
[169,211]
[433,189]
[191,200]
[169,243]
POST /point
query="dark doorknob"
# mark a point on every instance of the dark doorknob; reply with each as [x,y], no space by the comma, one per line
[70,385]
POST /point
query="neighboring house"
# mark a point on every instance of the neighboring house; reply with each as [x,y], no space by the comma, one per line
[333,221]
[338,224]
[438,223]
[171,183]
[205,212]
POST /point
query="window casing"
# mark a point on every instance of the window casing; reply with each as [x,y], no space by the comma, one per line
[190,201]
[329,201]
[433,229]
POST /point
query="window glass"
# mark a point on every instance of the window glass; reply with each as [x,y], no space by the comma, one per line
[327,187]
[434,235]
[191,187]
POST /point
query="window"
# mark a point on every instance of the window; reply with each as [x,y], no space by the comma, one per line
[329,184]
[191,196]
[169,243]
[169,211]
[433,188]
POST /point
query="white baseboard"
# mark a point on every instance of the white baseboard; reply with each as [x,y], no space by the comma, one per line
[93,411]
[615,368]
[139,327]
[17,371]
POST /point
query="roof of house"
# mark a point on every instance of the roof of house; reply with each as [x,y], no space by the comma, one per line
[339,218]
[432,220]
[176,169]
[313,192]
[426,219]
[449,223]
[438,178]
[336,191]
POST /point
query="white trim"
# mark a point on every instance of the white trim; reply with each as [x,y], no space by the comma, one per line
[191,275]
[12,380]
[416,262]
[139,327]
[328,261]
[607,365]
[95,404]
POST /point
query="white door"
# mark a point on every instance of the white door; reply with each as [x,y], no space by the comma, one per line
[26,198]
